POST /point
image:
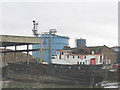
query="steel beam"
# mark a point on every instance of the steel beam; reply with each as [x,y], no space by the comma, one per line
[4,56]
[15,54]
[27,54]
[41,53]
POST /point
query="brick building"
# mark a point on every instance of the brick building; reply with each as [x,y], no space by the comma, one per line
[109,54]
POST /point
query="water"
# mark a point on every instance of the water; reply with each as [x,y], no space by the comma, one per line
[38,84]
[16,84]
[111,84]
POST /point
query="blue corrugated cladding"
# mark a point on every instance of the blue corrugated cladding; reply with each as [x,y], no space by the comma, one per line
[57,43]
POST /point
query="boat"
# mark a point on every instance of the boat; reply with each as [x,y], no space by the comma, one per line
[66,67]
[68,57]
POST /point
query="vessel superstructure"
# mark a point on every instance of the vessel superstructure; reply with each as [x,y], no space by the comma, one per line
[68,57]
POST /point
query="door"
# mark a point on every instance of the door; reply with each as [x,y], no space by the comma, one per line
[92,61]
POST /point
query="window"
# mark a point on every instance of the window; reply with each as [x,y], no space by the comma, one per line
[78,57]
[53,57]
[84,57]
[67,56]
[100,58]
[73,57]
[62,53]
[80,62]
[60,56]
[109,61]
[83,62]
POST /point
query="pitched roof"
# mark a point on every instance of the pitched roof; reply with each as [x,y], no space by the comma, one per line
[99,48]
[96,49]
[84,50]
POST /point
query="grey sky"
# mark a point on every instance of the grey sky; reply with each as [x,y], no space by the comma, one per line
[97,22]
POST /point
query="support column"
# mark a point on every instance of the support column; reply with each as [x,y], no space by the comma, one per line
[15,54]
[4,56]
[27,54]
[49,47]
[41,53]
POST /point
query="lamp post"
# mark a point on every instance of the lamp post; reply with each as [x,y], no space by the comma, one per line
[51,31]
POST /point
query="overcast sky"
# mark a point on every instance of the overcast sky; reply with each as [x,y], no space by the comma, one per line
[97,22]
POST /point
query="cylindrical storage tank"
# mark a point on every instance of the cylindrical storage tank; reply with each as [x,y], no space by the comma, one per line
[57,43]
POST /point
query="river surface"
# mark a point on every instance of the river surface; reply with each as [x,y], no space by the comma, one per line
[15,84]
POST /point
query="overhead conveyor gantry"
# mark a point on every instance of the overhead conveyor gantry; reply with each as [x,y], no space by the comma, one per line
[10,40]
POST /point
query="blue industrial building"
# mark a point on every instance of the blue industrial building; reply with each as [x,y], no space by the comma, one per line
[57,43]
[80,42]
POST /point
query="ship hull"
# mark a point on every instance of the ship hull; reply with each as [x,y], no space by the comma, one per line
[54,73]
[114,73]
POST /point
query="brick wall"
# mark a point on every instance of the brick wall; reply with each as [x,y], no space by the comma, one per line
[109,54]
